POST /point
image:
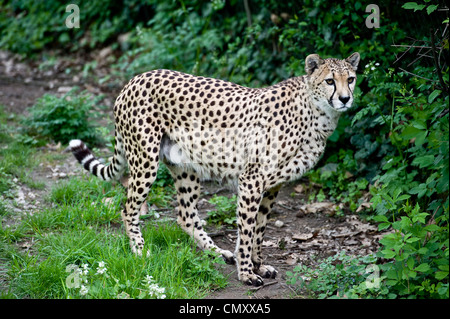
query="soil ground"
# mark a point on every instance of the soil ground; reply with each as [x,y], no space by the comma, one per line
[296,233]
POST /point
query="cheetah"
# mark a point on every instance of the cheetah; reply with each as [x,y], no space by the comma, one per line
[252,139]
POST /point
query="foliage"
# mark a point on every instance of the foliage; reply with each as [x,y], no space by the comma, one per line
[28,26]
[163,177]
[63,118]
[394,142]
[225,212]
[340,276]
[337,180]
[420,252]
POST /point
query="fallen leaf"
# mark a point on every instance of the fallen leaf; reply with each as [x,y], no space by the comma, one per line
[299,188]
[363,206]
[292,259]
[351,242]
[319,207]
[348,175]
[269,243]
[346,234]
[302,236]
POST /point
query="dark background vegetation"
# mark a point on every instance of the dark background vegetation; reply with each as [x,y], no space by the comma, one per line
[394,143]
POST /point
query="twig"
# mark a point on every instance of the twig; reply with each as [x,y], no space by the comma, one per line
[412,46]
[264,285]
[417,75]
[285,206]
[248,13]
[435,58]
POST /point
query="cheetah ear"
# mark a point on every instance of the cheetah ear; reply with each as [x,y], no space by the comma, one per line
[353,60]
[312,62]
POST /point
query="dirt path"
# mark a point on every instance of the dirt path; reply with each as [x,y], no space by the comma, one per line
[296,232]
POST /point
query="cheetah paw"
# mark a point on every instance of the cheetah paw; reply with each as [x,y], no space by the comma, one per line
[267,271]
[252,280]
[228,256]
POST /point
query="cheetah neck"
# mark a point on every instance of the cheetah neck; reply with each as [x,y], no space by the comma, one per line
[327,120]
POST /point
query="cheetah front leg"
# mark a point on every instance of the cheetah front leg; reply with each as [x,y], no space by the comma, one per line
[265,208]
[187,184]
[248,204]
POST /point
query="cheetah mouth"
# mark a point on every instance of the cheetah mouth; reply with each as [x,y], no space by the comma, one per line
[343,108]
[340,107]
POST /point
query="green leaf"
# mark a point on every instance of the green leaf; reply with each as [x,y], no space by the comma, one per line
[423,161]
[410,263]
[388,254]
[410,132]
[422,267]
[381,218]
[432,8]
[441,275]
[443,267]
[413,6]
[383,226]
[433,95]
[432,227]
[422,251]
[412,240]
[420,190]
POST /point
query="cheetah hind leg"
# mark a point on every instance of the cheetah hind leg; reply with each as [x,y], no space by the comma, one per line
[265,207]
[137,192]
[187,184]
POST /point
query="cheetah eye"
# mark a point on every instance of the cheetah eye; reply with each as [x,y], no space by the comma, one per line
[329,81]
[350,80]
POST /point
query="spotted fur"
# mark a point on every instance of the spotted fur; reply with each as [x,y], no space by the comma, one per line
[204,128]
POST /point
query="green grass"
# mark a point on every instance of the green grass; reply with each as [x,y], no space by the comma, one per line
[41,252]
[16,158]
[81,230]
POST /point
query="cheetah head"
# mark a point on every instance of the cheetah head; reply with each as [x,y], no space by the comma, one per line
[331,81]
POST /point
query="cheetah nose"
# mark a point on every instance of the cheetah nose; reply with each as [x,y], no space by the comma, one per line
[344,99]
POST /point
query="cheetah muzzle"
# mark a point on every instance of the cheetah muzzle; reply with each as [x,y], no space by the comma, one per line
[204,128]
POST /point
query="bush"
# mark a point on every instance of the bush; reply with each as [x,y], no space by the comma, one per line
[28,26]
[63,119]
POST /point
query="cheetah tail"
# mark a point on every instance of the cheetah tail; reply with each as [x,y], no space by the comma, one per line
[111,171]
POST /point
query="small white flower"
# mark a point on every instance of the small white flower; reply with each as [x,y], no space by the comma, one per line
[373,68]
[367,65]
[153,289]
[84,290]
[101,269]
[85,270]
[377,64]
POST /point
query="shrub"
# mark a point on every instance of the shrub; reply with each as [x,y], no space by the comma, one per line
[63,119]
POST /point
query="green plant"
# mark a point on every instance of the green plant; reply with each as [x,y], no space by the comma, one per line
[340,276]
[65,118]
[27,26]
[337,180]
[418,251]
[225,212]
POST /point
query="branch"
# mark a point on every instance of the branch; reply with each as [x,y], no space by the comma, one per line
[436,63]
[417,75]
[248,13]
